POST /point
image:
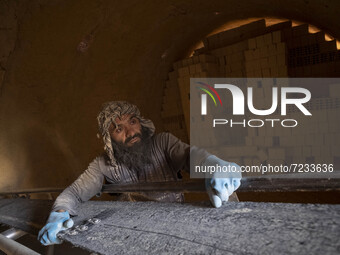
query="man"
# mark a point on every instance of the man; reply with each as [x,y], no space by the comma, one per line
[133,154]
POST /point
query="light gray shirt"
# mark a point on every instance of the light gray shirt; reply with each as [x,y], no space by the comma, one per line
[169,156]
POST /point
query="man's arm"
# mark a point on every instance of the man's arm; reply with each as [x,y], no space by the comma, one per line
[180,153]
[218,185]
[84,188]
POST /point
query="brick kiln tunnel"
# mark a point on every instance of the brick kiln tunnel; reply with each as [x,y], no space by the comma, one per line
[60,60]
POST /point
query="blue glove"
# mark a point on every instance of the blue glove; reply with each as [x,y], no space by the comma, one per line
[57,221]
[220,185]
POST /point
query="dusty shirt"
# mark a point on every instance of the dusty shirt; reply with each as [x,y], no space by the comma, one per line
[169,156]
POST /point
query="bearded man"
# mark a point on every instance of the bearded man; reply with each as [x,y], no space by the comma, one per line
[133,154]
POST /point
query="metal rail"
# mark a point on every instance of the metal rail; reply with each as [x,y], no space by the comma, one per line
[248,185]
[31,191]
[13,233]
[14,248]
[263,184]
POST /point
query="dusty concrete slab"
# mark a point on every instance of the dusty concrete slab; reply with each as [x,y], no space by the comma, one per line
[235,228]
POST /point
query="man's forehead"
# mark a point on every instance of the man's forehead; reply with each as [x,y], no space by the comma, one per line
[123,118]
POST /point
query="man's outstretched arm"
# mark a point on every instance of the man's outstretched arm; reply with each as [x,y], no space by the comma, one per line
[84,188]
[219,186]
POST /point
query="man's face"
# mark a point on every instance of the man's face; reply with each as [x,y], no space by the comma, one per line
[128,130]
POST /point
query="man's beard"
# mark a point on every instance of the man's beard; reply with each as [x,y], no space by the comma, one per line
[138,155]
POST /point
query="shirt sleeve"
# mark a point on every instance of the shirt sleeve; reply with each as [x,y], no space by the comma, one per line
[181,154]
[88,184]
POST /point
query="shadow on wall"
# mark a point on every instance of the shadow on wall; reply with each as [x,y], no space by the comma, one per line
[41,144]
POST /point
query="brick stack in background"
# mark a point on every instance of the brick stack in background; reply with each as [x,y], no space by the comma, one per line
[332,138]
[237,154]
[231,59]
[196,66]
[316,139]
[266,56]
[223,55]
[257,51]
[310,55]
[233,36]
[172,113]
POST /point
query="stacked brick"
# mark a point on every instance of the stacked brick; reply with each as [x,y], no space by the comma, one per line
[175,107]
[172,113]
[240,154]
[231,59]
[257,51]
[310,55]
[233,36]
[266,56]
[316,139]
[179,80]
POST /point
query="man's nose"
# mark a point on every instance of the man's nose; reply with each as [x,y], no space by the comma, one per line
[129,132]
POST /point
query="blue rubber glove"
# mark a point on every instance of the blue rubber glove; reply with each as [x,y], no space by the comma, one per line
[220,185]
[57,221]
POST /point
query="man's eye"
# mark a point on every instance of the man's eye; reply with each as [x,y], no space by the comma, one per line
[133,121]
[118,130]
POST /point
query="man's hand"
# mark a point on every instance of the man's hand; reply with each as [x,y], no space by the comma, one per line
[220,185]
[57,221]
